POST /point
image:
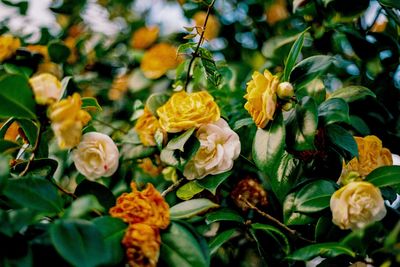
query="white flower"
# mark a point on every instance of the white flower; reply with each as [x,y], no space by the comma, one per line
[219,147]
[96,156]
[46,87]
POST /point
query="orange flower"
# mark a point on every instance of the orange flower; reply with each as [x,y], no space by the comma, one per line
[147,207]
[148,166]
[70,42]
[276,12]
[40,49]
[371,155]
[119,87]
[144,37]
[146,126]
[158,60]
[142,243]
[12,131]
[8,46]
[212,27]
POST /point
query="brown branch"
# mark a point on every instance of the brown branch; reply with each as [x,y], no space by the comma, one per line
[196,54]
[292,232]
[172,187]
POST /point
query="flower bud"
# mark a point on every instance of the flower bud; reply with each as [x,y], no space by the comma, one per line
[285,90]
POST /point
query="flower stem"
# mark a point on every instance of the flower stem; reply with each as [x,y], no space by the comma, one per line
[172,187]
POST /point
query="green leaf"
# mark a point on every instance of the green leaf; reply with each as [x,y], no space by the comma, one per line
[65,82]
[292,57]
[21,70]
[15,220]
[224,214]
[221,239]
[186,48]
[131,152]
[35,193]
[79,242]
[4,171]
[290,216]
[280,238]
[179,142]
[180,247]
[4,127]
[242,123]
[314,196]
[359,125]
[8,146]
[360,240]
[112,231]
[342,139]
[16,97]
[212,73]
[309,69]
[390,3]
[191,208]
[83,206]
[91,104]
[187,191]
[302,125]
[30,129]
[39,167]
[211,182]
[384,176]
[352,93]
[58,52]
[155,101]
[288,172]
[334,110]
[326,250]
[105,197]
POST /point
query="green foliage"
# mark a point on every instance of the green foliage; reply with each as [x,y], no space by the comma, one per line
[190,208]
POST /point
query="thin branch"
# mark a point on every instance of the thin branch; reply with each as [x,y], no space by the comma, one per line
[63,190]
[196,54]
[109,126]
[293,232]
[172,187]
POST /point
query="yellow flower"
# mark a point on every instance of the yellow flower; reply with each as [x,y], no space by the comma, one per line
[357,204]
[144,37]
[147,207]
[146,126]
[50,67]
[8,46]
[158,60]
[148,166]
[46,87]
[70,42]
[142,243]
[371,155]
[261,97]
[12,131]
[184,111]
[40,49]
[212,27]
[118,87]
[67,120]
[276,12]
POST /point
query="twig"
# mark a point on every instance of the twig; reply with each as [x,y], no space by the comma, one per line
[293,232]
[171,187]
[109,126]
[63,190]
[195,54]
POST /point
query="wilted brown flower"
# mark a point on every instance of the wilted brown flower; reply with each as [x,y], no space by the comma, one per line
[249,190]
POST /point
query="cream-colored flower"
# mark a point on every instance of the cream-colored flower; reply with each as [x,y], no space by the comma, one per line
[357,204]
[219,147]
[184,111]
[8,46]
[212,27]
[261,97]
[46,87]
[159,59]
[144,37]
[67,121]
[96,156]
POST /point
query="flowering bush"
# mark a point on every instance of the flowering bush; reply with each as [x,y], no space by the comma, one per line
[259,133]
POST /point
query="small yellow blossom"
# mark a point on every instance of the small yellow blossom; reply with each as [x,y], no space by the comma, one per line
[8,46]
[142,243]
[151,168]
[261,97]
[147,206]
[186,110]
[146,126]
[212,27]
[46,87]
[158,60]
[40,49]
[67,120]
[144,37]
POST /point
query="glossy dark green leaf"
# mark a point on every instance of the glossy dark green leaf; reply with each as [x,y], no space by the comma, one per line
[4,171]
[212,73]
[359,125]
[302,125]
[30,129]
[212,182]
[352,93]
[16,97]
[334,110]
[112,231]
[15,220]
[190,208]
[58,52]
[105,197]
[309,69]
[8,146]
[390,3]
[242,123]
[180,247]
[291,216]
[360,239]
[155,101]
[314,196]
[384,176]
[279,237]
[292,57]
[91,104]
[21,70]
[178,143]
[224,214]
[188,190]
[289,170]
[221,239]
[79,242]
[83,206]
[35,193]
[39,167]
[326,250]
[341,138]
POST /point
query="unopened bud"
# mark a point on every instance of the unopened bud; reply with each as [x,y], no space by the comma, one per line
[288,106]
[285,90]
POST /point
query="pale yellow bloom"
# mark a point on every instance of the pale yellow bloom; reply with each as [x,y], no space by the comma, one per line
[186,110]
[357,204]
[158,60]
[144,37]
[67,120]
[261,97]
[212,27]
[146,127]
[8,46]
[46,87]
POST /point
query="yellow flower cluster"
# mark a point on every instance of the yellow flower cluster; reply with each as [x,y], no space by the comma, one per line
[67,120]
[187,110]
[371,155]
[8,46]
[261,97]
[144,37]
[146,126]
[212,28]
[146,212]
